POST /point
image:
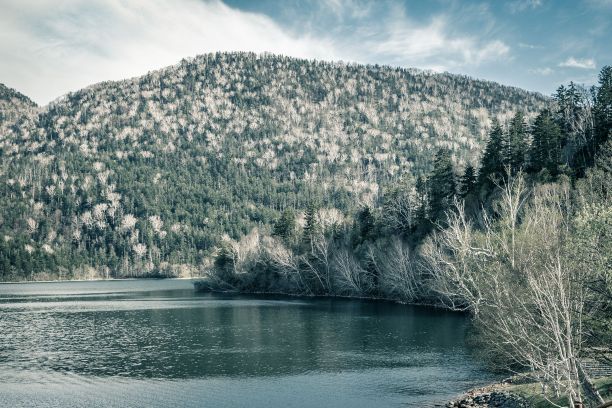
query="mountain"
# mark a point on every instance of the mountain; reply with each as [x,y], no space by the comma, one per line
[17,113]
[149,173]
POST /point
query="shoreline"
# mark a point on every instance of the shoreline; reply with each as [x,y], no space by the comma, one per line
[92,280]
[496,394]
[519,392]
[327,296]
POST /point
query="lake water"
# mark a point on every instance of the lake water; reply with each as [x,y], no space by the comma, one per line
[151,343]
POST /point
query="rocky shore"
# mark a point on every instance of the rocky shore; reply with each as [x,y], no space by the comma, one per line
[519,391]
[489,397]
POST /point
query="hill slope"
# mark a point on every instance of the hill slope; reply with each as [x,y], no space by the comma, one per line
[17,115]
[149,172]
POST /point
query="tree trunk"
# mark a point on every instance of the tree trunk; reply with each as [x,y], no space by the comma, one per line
[590,392]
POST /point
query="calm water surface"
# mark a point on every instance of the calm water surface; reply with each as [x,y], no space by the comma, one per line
[160,344]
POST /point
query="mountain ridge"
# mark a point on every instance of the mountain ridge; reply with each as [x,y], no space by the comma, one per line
[162,166]
[339,63]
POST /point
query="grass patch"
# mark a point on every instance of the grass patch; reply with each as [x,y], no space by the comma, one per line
[533,393]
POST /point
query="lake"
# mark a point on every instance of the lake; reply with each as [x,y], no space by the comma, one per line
[158,343]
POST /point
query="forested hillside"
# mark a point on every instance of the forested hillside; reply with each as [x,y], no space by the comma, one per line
[17,115]
[148,175]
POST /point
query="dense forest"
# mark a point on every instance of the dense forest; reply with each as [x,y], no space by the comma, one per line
[149,176]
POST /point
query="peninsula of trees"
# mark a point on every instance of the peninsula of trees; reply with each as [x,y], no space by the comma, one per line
[521,239]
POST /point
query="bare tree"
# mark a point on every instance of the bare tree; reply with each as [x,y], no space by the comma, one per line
[399,208]
[286,263]
[397,268]
[319,261]
[456,262]
[351,277]
[515,278]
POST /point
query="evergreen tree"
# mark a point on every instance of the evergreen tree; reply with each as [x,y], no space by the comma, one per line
[573,116]
[568,107]
[421,225]
[225,259]
[602,110]
[366,224]
[311,227]
[442,185]
[285,225]
[545,151]
[491,164]
[516,144]
[467,183]
[560,98]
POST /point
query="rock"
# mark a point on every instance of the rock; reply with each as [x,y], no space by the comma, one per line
[492,399]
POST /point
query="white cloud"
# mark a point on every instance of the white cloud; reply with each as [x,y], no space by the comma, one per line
[600,3]
[530,46]
[433,46]
[571,62]
[518,6]
[541,71]
[49,47]
[343,8]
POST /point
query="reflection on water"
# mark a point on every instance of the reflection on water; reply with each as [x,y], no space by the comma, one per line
[158,343]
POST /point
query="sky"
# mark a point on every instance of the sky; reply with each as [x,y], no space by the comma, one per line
[51,47]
